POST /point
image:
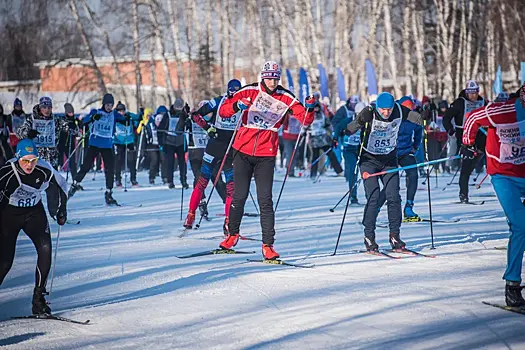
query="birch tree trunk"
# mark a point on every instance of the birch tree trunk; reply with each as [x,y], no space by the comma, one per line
[153,73]
[176,48]
[390,47]
[136,48]
[406,45]
[509,51]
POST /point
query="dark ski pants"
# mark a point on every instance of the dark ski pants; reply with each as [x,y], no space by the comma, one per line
[261,168]
[350,157]
[154,163]
[288,146]
[372,192]
[33,221]
[169,153]
[65,153]
[316,152]
[89,158]
[411,174]
[467,166]
[120,159]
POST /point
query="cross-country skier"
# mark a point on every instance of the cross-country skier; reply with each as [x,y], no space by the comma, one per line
[382,122]
[220,130]
[263,106]
[70,139]
[468,100]
[18,117]
[44,128]
[6,151]
[22,180]
[437,136]
[124,141]
[102,127]
[506,165]
[151,141]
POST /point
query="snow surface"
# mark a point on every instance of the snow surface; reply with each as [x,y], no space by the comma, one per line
[119,268]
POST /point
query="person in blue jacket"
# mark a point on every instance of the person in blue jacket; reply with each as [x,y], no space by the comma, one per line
[101,123]
[124,141]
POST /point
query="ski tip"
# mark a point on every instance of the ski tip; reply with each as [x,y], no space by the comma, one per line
[331,210]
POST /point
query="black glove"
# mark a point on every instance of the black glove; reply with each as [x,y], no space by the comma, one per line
[127,115]
[433,106]
[451,132]
[186,108]
[97,116]
[31,134]
[467,152]
[131,147]
[212,132]
[61,218]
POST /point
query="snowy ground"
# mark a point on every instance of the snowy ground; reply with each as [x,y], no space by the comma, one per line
[119,269]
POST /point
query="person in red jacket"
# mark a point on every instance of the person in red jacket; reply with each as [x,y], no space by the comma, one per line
[264,105]
[505,150]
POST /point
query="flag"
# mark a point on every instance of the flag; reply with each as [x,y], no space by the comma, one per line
[371,78]
[522,73]
[341,90]
[304,89]
[290,80]
[497,86]
[323,81]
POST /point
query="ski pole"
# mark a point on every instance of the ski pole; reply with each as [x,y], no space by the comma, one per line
[69,156]
[319,158]
[481,182]
[366,175]
[453,177]
[54,263]
[181,202]
[72,153]
[140,148]
[222,165]
[434,165]
[126,160]
[335,206]
[255,205]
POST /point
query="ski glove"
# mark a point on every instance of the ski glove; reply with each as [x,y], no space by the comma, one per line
[97,116]
[467,152]
[212,132]
[31,134]
[334,143]
[61,218]
[244,103]
[310,102]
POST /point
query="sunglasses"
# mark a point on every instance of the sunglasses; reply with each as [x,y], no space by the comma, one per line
[29,161]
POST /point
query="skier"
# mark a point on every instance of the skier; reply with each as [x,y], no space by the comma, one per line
[351,144]
[124,142]
[18,117]
[151,141]
[22,180]
[173,141]
[220,130]
[45,129]
[505,152]
[70,139]
[437,136]
[291,132]
[102,127]
[468,100]
[382,121]
[263,106]
[6,151]
[320,140]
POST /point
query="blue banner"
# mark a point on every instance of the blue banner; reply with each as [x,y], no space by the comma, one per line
[290,81]
[522,73]
[323,81]
[371,78]
[497,86]
[341,90]
[304,89]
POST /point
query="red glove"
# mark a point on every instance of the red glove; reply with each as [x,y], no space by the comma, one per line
[244,103]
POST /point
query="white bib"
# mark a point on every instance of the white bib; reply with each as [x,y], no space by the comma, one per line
[173,126]
[383,135]
[318,128]
[294,126]
[17,122]
[24,195]
[104,126]
[200,136]
[352,140]
[512,146]
[154,137]
[121,130]
[266,111]
[470,106]
[47,136]
[226,123]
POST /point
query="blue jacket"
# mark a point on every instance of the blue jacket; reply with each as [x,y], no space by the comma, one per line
[409,137]
[101,131]
[342,118]
[123,136]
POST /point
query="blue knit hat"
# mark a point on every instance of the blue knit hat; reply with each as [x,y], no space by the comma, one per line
[26,147]
[161,109]
[385,100]
[17,102]
[108,99]
[45,101]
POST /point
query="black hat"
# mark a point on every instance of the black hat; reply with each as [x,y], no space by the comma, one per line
[68,108]
[108,99]
[121,106]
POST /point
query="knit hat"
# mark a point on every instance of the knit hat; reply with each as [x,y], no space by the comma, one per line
[178,104]
[443,104]
[68,108]
[120,106]
[472,87]
[17,102]
[108,99]
[161,109]
[502,97]
[354,99]
[26,147]
[385,100]
[45,102]
[271,70]
[233,86]
[425,99]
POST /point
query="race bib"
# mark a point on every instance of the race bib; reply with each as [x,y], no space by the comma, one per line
[173,126]
[383,136]
[200,136]
[318,127]
[353,140]
[122,130]
[46,136]
[226,123]
[470,106]
[294,126]
[512,147]
[154,137]
[266,111]
[24,197]
[104,126]
[17,122]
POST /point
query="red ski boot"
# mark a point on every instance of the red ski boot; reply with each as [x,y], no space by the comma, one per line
[230,241]
[190,219]
[269,253]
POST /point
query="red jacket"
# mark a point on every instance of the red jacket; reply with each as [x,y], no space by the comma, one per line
[504,158]
[257,135]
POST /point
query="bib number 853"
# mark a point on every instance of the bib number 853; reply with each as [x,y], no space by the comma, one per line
[382,143]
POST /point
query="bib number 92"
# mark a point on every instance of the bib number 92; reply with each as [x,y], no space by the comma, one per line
[518,152]
[27,202]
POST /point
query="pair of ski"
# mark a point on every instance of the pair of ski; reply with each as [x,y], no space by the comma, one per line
[221,251]
[387,253]
[472,203]
[50,317]
[518,310]
[418,219]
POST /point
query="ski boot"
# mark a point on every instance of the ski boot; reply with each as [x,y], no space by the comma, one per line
[269,253]
[354,200]
[108,196]
[396,242]
[513,295]
[190,219]
[171,185]
[118,184]
[152,181]
[371,245]
[73,189]
[463,198]
[410,215]
[40,306]
[134,184]
[203,208]
[184,184]
[230,241]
